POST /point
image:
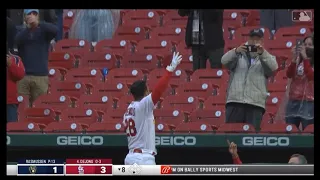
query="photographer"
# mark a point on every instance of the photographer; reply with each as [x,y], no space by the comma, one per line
[299,105]
[250,66]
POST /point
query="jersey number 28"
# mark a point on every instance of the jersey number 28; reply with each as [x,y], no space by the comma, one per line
[130,127]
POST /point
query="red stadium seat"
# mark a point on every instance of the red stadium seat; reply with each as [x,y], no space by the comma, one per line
[280,46]
[154,46]
[72,89]
[106,127]
[85,75]
[273,101]
[57,73]
[62,59]
[281,77]
[197,88]
[186,63]
[226,33]
[177,77]
[183,49]
[232,18]
[213,116]
[76,46]
[243,32]
[116,114]
[67,22]
[214,101]
[230,44]
[96,101]
[124,75]
[123,102]
[23,101]
[236,128]
[112,89]
[141,61]
[81,115]
[99,60]
[173,18]
[117,46]
[215,76]
[169,90]
[279,128]
[134,32]
[54,101]
[21,127]
[309,129]
[38,115]
[174,33]
[163,127]
[170,116]
[297,32]
[193,127]
[181,102]
[65,127]
[141,18]
[277,87]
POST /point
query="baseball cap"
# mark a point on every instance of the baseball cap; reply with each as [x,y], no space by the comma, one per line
[256,32]
[27,11]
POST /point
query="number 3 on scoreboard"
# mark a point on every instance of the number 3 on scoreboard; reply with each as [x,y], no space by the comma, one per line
[130,127]
[103,170]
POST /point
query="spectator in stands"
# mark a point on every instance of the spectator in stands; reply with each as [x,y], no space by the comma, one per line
[15,72]
[204,35]
[250,66]
[294,159]
[33,45]
[95,25]
[299,108]
[274,19]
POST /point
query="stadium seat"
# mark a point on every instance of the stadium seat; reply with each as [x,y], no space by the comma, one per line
[67,22]
[99,60]
[232,18]
[72,89]
[234,43]
[236,128]
[163,127]
[24,127]
[279,46]
[57,73]
[274,100]
[111,89]
[193,127]
[178,76]
[227,34]
[181,102]
[170,90]
[280,77]
[123,102]
[117,46]
[141,61]
[173,33]
[154,46]
[76,46]
[38,115]
[213,116]
[65,127]
[55,101]
[186,63]
[106,127]
[283,60]
[214,76]
[279,128]
[276,87]
[173,18]
[85,75]
[62,59]
[125,75]
[81,115]
[116,114]
[292,32]
[243,32]
[309,129]
[96,101]
[141,18]
[199,89]
[132,33]
[183,49]
[23,101]
[213,101]
[251,17]
[170,116]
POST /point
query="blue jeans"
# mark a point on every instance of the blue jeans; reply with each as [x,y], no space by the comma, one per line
[300,112]
[12,112]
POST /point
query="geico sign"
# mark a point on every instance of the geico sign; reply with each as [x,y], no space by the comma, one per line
[79,140]
[176,140]
[8,140]
[265,141]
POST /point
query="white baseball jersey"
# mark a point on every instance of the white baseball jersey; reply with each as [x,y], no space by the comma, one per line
[139,124]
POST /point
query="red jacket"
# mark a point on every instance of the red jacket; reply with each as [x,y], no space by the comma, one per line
[15,72]
[300,75]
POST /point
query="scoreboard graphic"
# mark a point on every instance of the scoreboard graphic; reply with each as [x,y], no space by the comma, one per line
[104,167]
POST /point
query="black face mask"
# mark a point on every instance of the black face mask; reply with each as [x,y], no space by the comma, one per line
[310,52]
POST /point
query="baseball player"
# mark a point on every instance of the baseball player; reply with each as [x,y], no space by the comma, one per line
[139,120]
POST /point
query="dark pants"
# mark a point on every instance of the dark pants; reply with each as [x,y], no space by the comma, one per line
[12,112]
[300,112]
[200,56]
[297,120]
[244,113]
[60,26]
[276,18]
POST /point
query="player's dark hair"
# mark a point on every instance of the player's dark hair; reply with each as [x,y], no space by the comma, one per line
[138,89]
[302,158]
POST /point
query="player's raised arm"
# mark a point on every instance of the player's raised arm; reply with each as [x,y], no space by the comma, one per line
[164,80]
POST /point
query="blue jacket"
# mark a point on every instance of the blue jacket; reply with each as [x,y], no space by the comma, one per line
[33,46]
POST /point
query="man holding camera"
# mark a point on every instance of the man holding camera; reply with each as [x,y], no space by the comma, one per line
[250,66]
